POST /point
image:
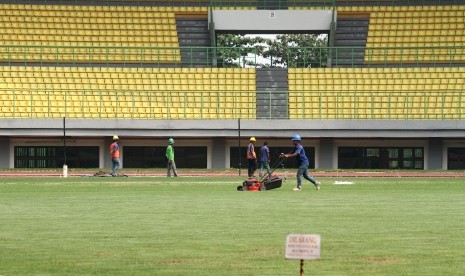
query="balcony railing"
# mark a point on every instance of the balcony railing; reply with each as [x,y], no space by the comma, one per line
[305,104]
[230,57]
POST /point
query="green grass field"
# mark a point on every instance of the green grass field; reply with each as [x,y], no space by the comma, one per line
[203,226]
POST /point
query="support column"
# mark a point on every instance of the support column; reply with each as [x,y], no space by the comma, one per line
[106,153]
[218,153]
[434,154]
[325,156]
[5,153]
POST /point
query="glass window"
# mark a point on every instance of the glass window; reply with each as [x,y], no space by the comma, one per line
[380,158]
[408,153]
[393,153]
[456,158]
[394,164]
[372,152]
[53,157]
[408,165]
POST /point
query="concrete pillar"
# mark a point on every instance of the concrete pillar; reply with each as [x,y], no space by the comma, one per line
[434,154]
[106,153]
[218,153]
[5,152]
[325,156]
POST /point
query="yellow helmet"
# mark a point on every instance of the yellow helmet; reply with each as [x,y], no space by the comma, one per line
[252,139]
[115,137]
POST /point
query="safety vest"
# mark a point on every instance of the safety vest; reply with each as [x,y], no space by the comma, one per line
[251,152]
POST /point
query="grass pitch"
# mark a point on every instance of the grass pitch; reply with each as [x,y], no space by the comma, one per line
[203,226]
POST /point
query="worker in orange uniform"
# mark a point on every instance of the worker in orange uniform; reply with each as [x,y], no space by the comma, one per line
[251,157]
[114,153]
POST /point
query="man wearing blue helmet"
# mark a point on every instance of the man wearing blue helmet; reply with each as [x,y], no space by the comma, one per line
[302,161]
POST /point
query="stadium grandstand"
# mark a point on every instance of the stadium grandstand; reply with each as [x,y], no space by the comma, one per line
[387,92]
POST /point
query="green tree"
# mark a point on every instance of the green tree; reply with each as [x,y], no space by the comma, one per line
[233,49]
[286,50]
[297,50]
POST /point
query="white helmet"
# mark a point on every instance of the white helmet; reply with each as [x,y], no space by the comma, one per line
[115,137]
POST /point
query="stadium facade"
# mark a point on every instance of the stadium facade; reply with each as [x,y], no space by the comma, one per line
[387,95]
[213,143]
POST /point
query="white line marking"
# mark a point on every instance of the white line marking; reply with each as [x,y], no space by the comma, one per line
[343,183]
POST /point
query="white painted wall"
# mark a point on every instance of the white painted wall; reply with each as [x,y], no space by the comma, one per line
[272,20]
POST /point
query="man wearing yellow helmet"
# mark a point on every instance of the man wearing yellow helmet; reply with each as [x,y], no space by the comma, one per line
[114,154]
[251,157]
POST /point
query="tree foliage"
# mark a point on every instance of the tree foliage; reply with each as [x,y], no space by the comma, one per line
[233,48]
[286,50]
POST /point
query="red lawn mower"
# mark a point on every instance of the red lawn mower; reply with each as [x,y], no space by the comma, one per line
[266,182]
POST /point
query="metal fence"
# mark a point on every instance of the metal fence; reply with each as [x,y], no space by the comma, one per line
[308,104]
[102,104]
[393,105]
[230,56]
[276,4]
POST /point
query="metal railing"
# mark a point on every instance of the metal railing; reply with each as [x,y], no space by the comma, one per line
[239,4]
[264,4]
[307,104]
[230,56]
[104,104]
[47,54]
[384,105]
[415,55]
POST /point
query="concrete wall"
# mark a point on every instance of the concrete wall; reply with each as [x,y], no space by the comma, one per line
[106,156]
[219,135]
[435,155]
[4,152]
[326,154]
[272,20]
[218,149]
[228,128]
[218,153]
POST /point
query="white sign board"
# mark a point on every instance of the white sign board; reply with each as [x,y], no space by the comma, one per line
[303,246]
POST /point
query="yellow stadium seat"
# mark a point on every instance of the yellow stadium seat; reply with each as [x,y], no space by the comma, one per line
[415,26]
[69,23]
[404,90]
[100,91]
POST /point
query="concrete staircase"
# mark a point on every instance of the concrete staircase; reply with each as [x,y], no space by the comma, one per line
[194,33]
[272,91]
[350,32]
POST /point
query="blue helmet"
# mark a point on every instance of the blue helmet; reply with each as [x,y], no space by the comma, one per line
[296,138]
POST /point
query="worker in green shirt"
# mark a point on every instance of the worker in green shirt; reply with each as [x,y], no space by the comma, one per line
[170,157]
